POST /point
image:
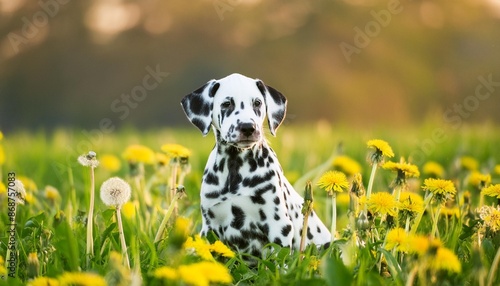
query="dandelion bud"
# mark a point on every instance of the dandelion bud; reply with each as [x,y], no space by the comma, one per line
[363,223]
[33,265]
[115,192]
[89,159]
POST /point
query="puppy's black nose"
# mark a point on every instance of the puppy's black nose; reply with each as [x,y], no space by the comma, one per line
[247,129]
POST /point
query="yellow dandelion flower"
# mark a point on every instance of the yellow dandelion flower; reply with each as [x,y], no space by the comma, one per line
[2,156]
[162,159]
[51,193]
[382,203]
[439,187]
[199,246]
[222,249]
[29,184]
[1,136]
[497,169]
[81,279]
[3,270]
[176,150]
[445,259]
[3,189]
[206,273]
[403,169]
[381,149]
[128,210]
[346,165]
[333,181]
[492,191]
[479,180]
[314,263]
[396,238]
[182,226]
[343,199]
[418,244]
[139,154]
[490,217]
[167,273]
[29,199]
[469,163]
[433,169]
[110,162]
[450,211]
[43,281]
[411,202]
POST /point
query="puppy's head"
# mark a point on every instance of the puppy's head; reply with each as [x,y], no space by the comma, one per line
[236,106]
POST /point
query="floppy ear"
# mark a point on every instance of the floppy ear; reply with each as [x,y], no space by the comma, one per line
[198,106]
[275,106]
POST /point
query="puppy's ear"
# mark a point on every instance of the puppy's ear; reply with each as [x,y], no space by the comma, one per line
[275,106]
[198,106]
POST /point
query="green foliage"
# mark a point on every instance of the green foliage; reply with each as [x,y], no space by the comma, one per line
[55,230]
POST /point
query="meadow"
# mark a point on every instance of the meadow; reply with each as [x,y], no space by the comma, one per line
[429,217]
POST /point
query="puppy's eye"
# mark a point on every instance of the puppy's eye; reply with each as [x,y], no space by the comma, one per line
[226,104]
[257,103]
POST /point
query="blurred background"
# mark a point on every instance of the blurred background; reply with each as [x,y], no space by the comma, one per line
[364,63]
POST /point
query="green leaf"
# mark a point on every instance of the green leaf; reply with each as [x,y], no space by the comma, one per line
[336,273]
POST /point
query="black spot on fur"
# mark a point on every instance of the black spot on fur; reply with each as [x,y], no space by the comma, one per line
[214,89]
[276,217]
[257,197]
[286,230]
[262,214]
[277,241]
[211,214]
[211,179]
[277,200]
[239,217]
[257,179]
[309,234]
[318,229]
[212,195]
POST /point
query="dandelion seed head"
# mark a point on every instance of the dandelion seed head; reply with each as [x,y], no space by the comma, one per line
[88,160]
[382,203]
[115,192]
[20,192]
[490,217]
[333,181]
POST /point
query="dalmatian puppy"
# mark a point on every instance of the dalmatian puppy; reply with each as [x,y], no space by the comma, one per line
[245,198]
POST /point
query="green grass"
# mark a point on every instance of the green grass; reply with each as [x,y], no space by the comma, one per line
[57,232]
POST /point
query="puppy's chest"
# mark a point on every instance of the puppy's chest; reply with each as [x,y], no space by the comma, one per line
[247,174]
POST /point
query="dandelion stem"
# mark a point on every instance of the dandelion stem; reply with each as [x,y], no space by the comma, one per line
[180,192]
[427,201]
[493,268]
[435,222]
[306,212]
[334,216]
[122,236]
[90,220]
[370,182]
